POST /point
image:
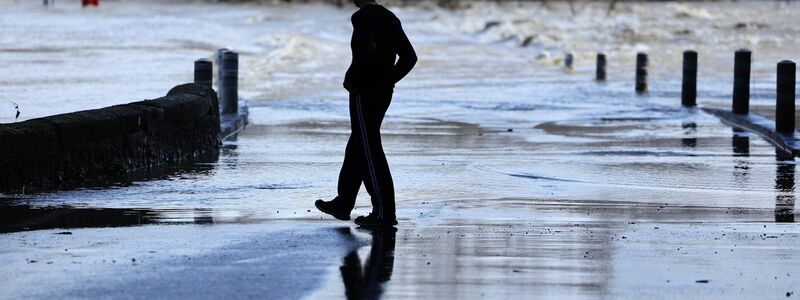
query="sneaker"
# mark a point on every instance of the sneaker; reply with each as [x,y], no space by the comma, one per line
[329,207]
[373,221]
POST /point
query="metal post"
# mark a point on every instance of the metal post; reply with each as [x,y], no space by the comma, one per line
[230,82]
[600,72]
[784,106]
[641,72]
[689,87]
[741,82]
[203,74]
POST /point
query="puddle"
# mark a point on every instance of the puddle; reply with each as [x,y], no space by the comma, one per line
[15,218]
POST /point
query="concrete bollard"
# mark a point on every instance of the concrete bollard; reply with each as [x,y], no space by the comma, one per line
[230,82]
[568,60]
[689,86]
[203,72]
[600,72]
[641,72]
[741,82]
[784,106]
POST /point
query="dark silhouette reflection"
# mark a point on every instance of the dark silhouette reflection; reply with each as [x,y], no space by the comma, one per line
[203,217]
[230,150]
[784,186]
[689,142]
[740,143]
[689,128]
[741,150]
[367,282]
[27,217]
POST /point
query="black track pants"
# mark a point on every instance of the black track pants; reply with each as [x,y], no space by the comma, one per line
[364,160]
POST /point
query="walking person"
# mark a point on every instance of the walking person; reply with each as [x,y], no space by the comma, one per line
[377,42]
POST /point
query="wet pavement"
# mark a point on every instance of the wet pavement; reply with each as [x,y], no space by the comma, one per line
[483,213]
[512,182]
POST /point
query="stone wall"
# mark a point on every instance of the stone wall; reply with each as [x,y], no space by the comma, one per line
[111,145]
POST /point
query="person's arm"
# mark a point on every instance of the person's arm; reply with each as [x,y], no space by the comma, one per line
[408,58]
[365,52]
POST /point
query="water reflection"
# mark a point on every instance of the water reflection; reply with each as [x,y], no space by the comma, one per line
[784,186]
[689,128]
[367,282]
[15,218]
[740,142]
[230,149]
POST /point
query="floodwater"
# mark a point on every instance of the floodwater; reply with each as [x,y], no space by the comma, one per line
[515,177]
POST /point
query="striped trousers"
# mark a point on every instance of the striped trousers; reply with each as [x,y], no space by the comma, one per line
[364,159]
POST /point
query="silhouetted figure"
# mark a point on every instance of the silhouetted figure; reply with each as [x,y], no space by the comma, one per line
[378,39]
[366,282]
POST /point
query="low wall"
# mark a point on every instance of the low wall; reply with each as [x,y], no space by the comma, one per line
[111,145]
[787,146]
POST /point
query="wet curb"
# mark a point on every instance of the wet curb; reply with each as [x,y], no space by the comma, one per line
[788,145]
[112,145]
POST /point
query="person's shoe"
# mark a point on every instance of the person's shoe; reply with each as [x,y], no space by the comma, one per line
[372,221]
[329,207]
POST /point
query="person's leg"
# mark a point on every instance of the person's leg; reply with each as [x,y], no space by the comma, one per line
[352,172]
[370,111]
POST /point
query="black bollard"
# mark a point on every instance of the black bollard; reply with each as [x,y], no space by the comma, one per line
[230,82]
[600,72]
[784,106]
[203,73]
[741,82]
[641,72]
[689,87]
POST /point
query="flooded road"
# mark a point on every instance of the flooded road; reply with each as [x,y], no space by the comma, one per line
[514,178]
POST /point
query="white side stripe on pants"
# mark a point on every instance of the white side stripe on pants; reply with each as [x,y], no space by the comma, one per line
[368,154]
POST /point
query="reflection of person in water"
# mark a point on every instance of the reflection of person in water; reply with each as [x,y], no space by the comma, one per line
[378,40]
[366,283]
